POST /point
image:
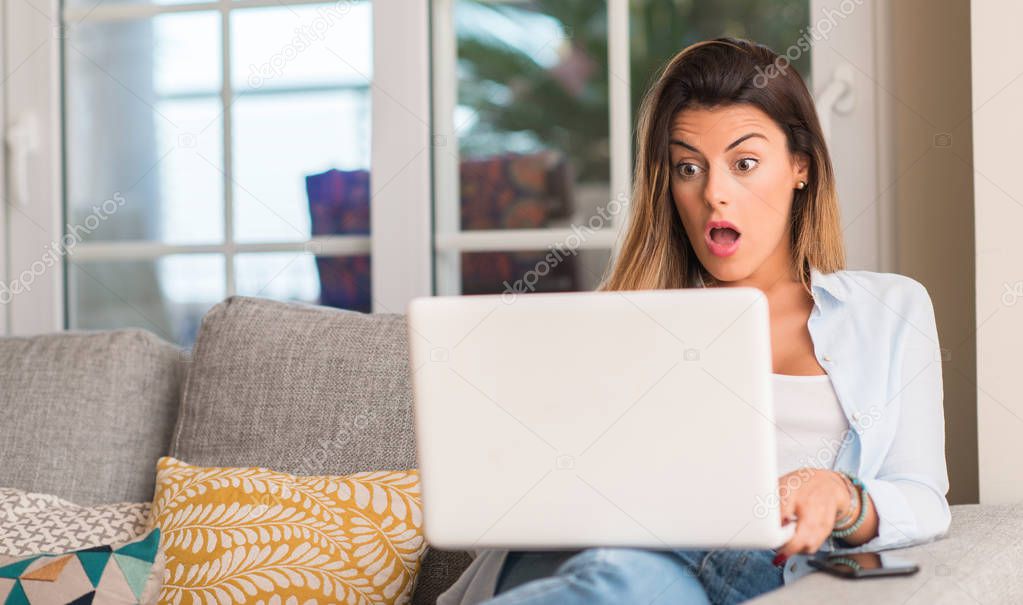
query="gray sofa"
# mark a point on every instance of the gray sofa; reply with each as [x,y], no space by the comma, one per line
[311,390]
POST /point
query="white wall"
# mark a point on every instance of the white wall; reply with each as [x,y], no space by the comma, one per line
[997,127]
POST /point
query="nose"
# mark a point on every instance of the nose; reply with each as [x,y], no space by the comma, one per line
[716,188]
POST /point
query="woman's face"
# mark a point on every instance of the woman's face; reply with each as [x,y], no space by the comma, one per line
[732,180]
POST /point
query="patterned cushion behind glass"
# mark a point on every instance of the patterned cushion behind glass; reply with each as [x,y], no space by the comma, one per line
[39,523]
[252,535]
[102,575]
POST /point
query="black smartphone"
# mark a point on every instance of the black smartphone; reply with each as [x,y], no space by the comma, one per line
[864,565]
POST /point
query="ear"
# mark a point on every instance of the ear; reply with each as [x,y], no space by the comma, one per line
[800,167]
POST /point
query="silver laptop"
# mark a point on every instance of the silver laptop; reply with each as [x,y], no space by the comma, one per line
[569,420]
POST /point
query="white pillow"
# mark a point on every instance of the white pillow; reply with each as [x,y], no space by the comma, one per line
[39,523]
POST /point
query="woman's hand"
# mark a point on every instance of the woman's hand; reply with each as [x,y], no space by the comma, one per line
[818,498]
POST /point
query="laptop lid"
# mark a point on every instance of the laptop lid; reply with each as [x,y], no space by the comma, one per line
[639,418]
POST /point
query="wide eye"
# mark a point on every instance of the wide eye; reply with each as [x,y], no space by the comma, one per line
[688,170]
[747,164]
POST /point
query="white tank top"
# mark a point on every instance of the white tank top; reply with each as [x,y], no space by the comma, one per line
[809,422]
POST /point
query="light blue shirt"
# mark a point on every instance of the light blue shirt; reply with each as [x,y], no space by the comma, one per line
[875,336]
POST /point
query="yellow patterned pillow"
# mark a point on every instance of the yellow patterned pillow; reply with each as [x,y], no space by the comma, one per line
[248,535]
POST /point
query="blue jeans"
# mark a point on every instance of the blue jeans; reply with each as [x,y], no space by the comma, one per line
[632,575]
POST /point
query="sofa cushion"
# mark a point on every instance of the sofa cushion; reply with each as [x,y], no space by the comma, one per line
[127,574]
[304,390]
[87,415]
[300,389]
[38,523]
[253,533]
[977,562]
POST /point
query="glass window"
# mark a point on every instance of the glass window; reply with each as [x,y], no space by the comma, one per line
[658,30]
[144,120]
[167,296]
[532,126]
[183,188]
[302,108]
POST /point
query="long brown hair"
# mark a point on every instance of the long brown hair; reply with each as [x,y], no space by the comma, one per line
[655,252]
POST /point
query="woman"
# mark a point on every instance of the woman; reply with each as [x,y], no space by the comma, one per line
[734,187]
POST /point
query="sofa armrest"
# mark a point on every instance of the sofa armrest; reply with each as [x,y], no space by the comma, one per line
[977,562]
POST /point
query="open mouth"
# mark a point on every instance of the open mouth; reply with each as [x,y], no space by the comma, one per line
[722,238]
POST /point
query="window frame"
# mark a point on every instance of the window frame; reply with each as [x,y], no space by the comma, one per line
[450,239]
[33,185]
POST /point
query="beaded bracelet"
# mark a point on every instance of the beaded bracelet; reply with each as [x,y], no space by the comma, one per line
[849,517]
[856,502]
[861,491]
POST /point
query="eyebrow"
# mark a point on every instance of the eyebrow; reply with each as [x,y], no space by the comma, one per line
[732,145]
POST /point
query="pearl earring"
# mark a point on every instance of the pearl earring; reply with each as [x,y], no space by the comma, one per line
[801,185]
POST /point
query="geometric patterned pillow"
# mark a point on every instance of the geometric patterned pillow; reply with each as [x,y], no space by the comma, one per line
[101,575]
[39,523]
[253,535]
